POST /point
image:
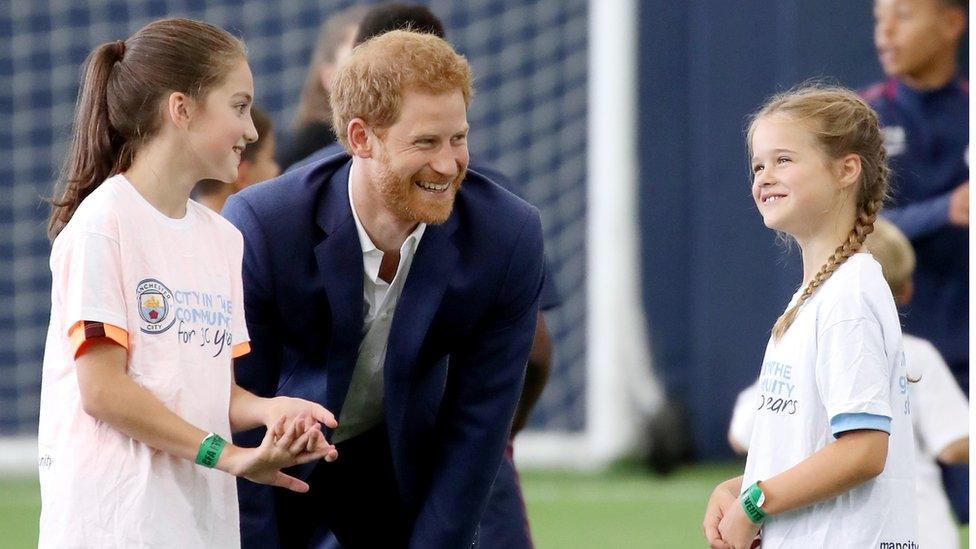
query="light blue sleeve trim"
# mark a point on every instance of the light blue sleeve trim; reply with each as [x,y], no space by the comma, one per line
[841,423]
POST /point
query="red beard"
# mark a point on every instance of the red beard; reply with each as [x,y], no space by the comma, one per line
[407,200]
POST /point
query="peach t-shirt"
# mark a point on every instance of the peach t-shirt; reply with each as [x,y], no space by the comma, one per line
[169,290]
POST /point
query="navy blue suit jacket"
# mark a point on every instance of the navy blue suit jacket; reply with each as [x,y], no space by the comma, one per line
[458,344]
[550,298]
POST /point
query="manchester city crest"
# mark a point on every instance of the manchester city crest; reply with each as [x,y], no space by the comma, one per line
[155,304]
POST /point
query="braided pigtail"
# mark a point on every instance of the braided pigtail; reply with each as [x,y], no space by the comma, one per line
[843,124]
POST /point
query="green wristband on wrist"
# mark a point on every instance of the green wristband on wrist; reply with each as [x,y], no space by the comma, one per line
[210,449]
[752,500]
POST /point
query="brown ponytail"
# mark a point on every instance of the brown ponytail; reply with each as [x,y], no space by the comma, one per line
[94,152]
[843,124]
[122,87]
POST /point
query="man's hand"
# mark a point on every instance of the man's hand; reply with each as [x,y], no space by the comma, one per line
[723,497]
[959,206]
[301,442]
[290,408]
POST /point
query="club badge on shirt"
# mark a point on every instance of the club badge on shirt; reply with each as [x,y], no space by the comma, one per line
[154,306]
[894,140]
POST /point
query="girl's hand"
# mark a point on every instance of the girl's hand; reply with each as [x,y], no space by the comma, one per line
[735,527]
[291,408]
[301,442]
[719,502]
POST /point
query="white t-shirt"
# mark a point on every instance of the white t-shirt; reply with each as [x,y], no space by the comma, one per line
[939,417]
[839,367]
[170,291]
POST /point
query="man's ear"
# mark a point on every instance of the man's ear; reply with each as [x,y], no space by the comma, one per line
[954,23]
[849,168]
[359,135]
[179,109]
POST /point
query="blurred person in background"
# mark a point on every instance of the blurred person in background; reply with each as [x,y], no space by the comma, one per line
[374,22]
[939,409]
[257,164]
[408,305]
[924,109]
[505,522]
[312,127]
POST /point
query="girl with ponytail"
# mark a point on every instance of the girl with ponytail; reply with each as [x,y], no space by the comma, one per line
[138,395]
[831,453]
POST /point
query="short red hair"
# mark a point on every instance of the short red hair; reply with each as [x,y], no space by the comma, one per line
[370,84]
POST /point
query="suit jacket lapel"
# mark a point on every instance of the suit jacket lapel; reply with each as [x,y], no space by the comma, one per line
[340,274]
[426,283]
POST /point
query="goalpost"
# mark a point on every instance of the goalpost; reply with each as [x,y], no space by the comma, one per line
[621,392]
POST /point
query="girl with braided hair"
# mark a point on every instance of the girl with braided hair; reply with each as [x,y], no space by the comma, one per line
[831,453]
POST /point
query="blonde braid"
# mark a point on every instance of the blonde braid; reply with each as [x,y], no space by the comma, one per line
[840,255]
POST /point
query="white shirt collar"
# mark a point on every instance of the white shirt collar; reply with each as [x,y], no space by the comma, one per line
[373,256]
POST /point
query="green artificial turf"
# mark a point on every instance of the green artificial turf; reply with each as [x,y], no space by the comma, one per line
[624,507]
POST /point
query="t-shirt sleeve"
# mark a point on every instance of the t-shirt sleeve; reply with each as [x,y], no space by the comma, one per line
[242,344]
[88,272]
[853,375]
[83,332]
[940,410]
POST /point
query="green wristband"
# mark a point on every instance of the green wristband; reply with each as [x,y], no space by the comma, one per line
[210,449]
[752,500]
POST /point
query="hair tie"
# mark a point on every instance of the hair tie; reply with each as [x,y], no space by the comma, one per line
[120,49]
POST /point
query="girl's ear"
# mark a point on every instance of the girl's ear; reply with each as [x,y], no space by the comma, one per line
[953,23]
[179,109]
[849,170]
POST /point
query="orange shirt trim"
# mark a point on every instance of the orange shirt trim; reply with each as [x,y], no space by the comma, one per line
[240,349]
[83,332]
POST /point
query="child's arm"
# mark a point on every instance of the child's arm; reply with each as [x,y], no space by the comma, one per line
[955,452]
[108,394]
[248,411]
[924,217]
[853,459]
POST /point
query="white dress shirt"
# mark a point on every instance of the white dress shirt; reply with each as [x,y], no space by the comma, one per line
[363,407]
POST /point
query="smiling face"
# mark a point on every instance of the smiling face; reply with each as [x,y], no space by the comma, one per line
[221,126]
[793,185]
[912,35]
[421,159]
